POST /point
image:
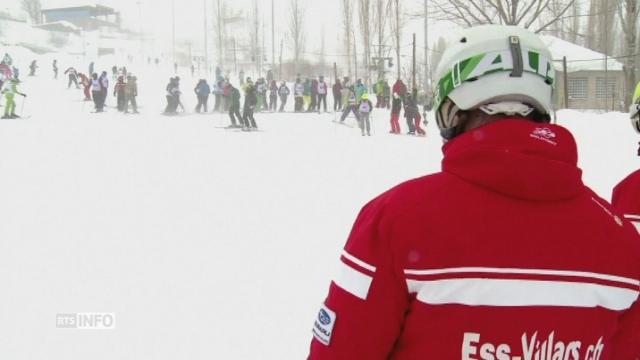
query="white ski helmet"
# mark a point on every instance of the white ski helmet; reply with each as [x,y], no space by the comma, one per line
[496,68]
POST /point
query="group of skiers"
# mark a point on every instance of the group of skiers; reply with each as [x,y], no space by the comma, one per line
[9,81]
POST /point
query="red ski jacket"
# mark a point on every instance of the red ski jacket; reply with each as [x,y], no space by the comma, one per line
[626,198]
[504,255]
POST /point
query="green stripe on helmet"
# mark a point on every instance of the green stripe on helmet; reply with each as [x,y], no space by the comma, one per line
[469,69]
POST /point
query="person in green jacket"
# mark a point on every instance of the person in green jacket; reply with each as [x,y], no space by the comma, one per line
[361,89]
[234,109]
[307,92]
[379,90]
[9,94]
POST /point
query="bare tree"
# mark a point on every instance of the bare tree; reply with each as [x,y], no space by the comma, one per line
[527,14]
[347,26]
[296,31]
[219,15]
[33,8]
[629,13]
[366,25]
[600,25]
[381,15]
[397,24]
[255,37]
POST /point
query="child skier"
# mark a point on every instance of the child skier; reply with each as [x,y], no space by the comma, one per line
[73,77]
[284,94]
[364,109]
[412,114]
[86,84]
[10,92]
[118,92]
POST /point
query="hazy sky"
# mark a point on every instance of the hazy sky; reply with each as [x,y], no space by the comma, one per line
[156,19]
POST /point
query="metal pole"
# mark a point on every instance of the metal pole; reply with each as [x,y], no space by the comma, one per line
[206,42]
[565,80]
[606,49]
[413,70]
[173,30]
[281,45]
[426,45]
[273,36]
[235,58]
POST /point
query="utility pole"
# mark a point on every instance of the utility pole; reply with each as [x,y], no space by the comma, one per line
[380,40]
[206,52]
[606,49]
[426,45]
[173,31]
[281,45]
[273,36]
[235,58]
[413,71]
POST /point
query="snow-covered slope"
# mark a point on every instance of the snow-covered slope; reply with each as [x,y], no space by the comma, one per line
[205,243]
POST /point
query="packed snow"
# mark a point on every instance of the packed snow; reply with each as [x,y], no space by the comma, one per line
[206,243]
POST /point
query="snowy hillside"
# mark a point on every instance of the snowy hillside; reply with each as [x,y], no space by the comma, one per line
[206,243]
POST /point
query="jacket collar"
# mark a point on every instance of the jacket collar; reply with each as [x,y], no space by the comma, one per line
[517,158]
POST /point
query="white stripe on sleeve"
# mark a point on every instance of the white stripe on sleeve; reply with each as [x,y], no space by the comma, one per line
[353,281]
[509,292]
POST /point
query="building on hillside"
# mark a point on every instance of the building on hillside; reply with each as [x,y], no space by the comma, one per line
[100,28]
[88,18]
[586,77]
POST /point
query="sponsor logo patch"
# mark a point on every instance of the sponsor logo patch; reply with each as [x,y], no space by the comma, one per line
[544,134]
[323,325]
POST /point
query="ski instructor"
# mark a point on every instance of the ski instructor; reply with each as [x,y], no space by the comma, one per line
[504,254]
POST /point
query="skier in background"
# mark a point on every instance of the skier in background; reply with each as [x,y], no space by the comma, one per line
[104,89]
[250,101]
[202,91]
[130,93]
[86,84]
[364,110]
[96,92]
[399,91]
[298,95]
[273,96]
[336,90]
[386,94]
[284,92]
[234,107]
[32,68]
[10,91]
[73,77]
[313,103]
[322,90]
[378,89]
[261,93]
[55,69]
[412,114]
[351,105]
[119,93]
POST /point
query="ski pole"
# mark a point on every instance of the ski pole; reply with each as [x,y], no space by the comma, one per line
[22,107]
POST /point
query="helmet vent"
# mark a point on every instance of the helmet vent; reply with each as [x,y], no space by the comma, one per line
[463,40]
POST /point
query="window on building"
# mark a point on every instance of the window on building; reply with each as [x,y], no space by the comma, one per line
[578,88]
[602,92]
